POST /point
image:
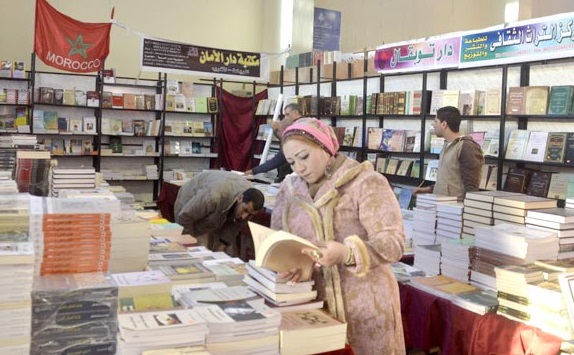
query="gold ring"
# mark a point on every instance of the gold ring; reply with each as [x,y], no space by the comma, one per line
[316,254]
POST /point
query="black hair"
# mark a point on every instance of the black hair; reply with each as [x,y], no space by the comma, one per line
[450,115]
[294,107]
[255,196]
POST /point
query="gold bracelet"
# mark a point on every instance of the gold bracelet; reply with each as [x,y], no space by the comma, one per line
[350,259]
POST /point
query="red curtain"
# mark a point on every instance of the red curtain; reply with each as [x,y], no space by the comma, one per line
[237,129]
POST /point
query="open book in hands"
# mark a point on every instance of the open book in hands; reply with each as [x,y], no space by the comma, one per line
[281,251]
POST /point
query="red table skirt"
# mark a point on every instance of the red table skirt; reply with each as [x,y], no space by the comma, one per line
[430,322]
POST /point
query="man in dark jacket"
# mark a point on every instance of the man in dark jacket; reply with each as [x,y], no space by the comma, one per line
[214,205]
[292,112]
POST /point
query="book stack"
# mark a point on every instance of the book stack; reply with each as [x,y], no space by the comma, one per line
[428,258]
[228,270]
[163,251]
[477,301]
[130,244]
[455,261]
[32,170]
[441,286]
[424,219]
[404,272]
[17,268]
[478,209]
[241,327]
[513,209]
[71,226]
[131,284]
[74,313]
[160,330]
[151,172]
[509,244]
[511,283]
[161,227]
[71,178]
[185,272]
[310,332]
[408,226]
[275,290]
[218,295]
[8,162]
[449,221]
[547,308]
[556,220]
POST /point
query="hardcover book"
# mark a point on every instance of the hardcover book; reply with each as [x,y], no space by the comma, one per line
[536,102]
[560,100]
[555,147]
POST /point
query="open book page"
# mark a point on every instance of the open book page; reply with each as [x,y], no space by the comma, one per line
[281,251]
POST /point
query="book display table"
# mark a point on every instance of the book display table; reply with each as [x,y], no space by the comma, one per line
[430,321]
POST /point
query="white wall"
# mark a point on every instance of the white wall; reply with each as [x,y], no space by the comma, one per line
[253,25]
[228,24]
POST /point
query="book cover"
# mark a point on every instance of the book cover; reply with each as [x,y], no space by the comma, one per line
[560,100]
[555,147]
[517,144]
[116,144]
[212,105]
[89,124]
[539,183]
[515,100]
[281,251]
[374,137]
[536,146]
[130,101]
[93,98]
[107,98]
[536,100]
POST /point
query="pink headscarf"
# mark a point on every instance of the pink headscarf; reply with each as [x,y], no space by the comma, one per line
[315,130]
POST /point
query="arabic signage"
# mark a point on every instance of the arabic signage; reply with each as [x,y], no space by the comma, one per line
[326,29]
[543,38]
[418,55]
[167,56]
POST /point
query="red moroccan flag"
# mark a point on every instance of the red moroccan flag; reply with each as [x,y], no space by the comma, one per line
[67,44]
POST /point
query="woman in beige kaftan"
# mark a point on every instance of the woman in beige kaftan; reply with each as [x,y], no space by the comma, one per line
[350,211]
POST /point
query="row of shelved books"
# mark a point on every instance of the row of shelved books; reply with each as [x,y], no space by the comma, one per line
[12,69]
[15,96]
[146,172]
[91,98]
[60,147]
[548,147]
[192,128]
[197,104]
[540,100]
[537,183]
[400,140]
[14,119]
[129,127]
[50,122]
[398,166]
[180,98]
[186,147]
[128,146]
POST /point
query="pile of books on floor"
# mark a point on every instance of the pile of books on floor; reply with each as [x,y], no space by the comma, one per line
[74,313]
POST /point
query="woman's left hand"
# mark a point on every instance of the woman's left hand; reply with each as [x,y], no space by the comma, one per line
[331,253]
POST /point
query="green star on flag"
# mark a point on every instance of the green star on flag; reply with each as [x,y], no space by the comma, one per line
[78,46]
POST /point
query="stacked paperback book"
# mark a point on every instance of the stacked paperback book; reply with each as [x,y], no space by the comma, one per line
[17,267]
[74,314]
[161,330]
[61,227]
